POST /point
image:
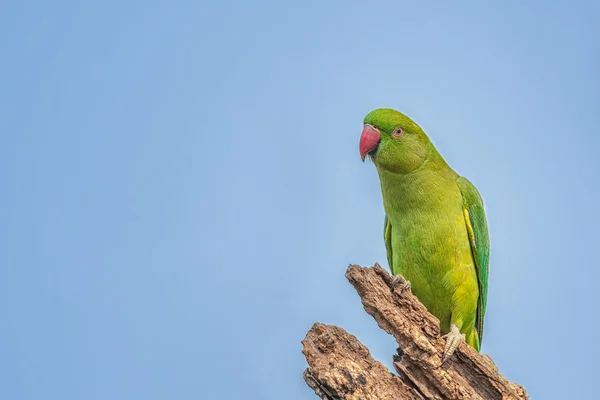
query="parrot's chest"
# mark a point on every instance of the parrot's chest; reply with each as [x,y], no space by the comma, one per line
[432,241]
[431,249]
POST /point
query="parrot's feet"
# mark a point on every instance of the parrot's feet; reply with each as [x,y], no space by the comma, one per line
[399,280]
[453,339]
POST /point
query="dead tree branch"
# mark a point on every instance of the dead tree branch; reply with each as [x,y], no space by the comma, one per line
[340,367]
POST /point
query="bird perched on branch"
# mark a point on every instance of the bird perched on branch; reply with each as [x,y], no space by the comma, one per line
[435,228]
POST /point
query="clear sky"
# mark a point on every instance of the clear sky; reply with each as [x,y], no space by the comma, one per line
[182,189]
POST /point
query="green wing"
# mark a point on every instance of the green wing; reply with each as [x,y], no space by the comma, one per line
[387,237]
[480,243]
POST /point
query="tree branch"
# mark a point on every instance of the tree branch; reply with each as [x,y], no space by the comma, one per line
[340,367]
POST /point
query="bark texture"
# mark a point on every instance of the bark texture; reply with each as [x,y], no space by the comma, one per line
[340,367]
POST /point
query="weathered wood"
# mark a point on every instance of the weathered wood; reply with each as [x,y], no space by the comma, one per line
[340,367]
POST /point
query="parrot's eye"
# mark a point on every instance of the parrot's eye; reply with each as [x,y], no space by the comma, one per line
[397,132]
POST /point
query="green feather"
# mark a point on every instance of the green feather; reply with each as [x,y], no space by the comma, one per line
[480,243]
[387,238]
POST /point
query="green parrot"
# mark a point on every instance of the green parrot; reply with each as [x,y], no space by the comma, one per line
[435,229]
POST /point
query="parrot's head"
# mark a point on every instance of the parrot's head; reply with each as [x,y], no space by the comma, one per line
[393,141]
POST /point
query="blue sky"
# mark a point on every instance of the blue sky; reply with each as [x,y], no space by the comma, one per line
[182,189]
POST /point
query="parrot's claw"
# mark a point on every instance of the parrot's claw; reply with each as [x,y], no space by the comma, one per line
[399,279]
[453,339]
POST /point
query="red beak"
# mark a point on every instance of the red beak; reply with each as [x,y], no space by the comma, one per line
[369,140]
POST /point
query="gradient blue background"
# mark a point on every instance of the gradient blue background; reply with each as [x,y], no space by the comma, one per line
[182,190]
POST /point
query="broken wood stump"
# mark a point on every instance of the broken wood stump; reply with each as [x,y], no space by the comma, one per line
[340,367]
